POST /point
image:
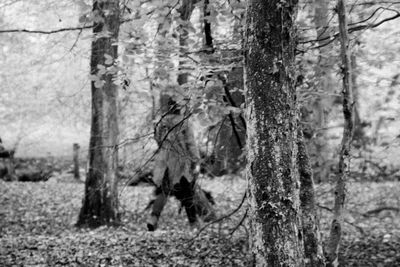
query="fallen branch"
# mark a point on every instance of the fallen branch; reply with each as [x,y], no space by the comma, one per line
[378,210]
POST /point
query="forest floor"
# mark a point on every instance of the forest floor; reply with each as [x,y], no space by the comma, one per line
[37,227]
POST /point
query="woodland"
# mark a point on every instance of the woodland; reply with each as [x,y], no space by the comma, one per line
[199,133]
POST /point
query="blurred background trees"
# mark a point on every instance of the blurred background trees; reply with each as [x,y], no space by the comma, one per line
[186,57]
[45,81]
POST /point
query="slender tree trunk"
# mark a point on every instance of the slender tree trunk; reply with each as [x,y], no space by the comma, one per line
[100,204]
[344,160]
[11,164]
[276,234]
[75,155]
[312,243]
[208,39]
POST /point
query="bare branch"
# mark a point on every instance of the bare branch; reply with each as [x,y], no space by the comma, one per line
[47,32]
[219,219]
[356,28]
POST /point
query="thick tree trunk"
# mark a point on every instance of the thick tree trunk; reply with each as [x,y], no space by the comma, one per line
[276,234]
[100,204]
[344,160]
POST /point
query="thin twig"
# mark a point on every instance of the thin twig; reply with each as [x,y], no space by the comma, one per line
[240,223]
[218,220]
[47,32]
[359,228]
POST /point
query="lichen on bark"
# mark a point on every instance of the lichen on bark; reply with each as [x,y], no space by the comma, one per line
[272,133]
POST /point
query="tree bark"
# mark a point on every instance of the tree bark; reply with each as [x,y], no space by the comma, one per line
[275,223]
[100,204]
[312,243]
[344,160]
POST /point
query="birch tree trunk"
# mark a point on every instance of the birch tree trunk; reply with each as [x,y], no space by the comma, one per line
[344,160]
[275,223]
[100,204]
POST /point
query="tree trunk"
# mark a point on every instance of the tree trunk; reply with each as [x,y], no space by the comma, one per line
[312,245]
[11,164]
[276,236]
[75,152]
[100,204]
[344,160]
[208,39]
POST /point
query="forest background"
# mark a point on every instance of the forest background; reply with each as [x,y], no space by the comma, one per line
[45,79]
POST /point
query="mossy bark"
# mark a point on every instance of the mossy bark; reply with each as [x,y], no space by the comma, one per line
[276,233]
[100,204]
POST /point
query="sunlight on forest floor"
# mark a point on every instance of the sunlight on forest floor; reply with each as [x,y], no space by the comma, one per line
[37,228]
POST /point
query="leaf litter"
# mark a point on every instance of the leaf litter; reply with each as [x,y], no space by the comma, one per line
[37,228]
